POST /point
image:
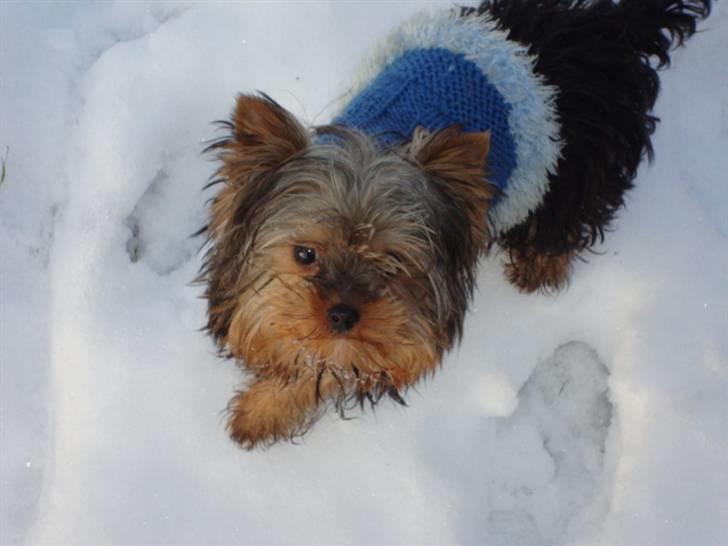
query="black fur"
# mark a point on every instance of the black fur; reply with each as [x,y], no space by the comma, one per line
[600,55]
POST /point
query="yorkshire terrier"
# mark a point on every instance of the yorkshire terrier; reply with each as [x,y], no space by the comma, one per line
[342,258]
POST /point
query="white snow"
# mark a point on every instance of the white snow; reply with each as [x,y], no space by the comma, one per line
[598,416]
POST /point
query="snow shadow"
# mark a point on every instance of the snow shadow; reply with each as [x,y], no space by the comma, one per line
[540,475]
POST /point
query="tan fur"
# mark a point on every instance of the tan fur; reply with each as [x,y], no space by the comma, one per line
[531,272]
[461,157]
[374,252]
[264,137]
[280,331]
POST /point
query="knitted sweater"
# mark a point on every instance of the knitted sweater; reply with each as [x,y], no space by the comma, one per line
[435,88]
[441,70]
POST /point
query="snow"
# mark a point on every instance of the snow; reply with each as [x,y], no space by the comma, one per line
[597,416]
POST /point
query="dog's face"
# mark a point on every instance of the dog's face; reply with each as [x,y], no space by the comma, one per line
[327,251]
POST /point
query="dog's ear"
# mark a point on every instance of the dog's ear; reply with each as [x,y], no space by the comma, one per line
[265,132]
[263,135]
[457,161]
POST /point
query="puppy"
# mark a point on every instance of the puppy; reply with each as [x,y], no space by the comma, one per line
[341,259]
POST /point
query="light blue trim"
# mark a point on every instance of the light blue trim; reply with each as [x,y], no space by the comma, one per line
[509,68]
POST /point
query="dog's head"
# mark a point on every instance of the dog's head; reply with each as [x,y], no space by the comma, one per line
[326,250]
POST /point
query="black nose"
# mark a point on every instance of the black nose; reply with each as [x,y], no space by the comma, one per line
[343,317]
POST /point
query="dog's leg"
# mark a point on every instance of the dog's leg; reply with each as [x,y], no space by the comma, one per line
[538,260]
[271,410]
[530,271]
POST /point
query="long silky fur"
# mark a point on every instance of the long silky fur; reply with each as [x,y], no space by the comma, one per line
[600,55]
[406,227]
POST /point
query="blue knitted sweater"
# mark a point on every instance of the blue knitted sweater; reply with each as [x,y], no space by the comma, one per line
[439,70]
[434,88]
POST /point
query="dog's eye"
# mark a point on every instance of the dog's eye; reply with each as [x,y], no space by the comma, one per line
[304,255]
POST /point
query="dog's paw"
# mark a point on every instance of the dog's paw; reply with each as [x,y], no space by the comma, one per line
[529,271]
[266,413]
[245,430]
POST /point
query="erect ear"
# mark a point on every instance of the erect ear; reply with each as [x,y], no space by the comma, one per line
[263,126]
[263,136]
[458,161]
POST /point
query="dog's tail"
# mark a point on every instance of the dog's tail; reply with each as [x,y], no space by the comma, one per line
[602,56]
[655,26]
[651,27]
[573,39]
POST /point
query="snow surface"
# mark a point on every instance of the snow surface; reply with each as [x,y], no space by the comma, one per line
[599,416]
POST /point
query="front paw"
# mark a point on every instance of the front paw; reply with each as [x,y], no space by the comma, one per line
[265,414]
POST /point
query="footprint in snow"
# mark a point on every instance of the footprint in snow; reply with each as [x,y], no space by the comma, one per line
[160,225]
[541,475]
[564,406]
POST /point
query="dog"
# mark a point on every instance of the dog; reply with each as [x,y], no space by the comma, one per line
[341,259]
